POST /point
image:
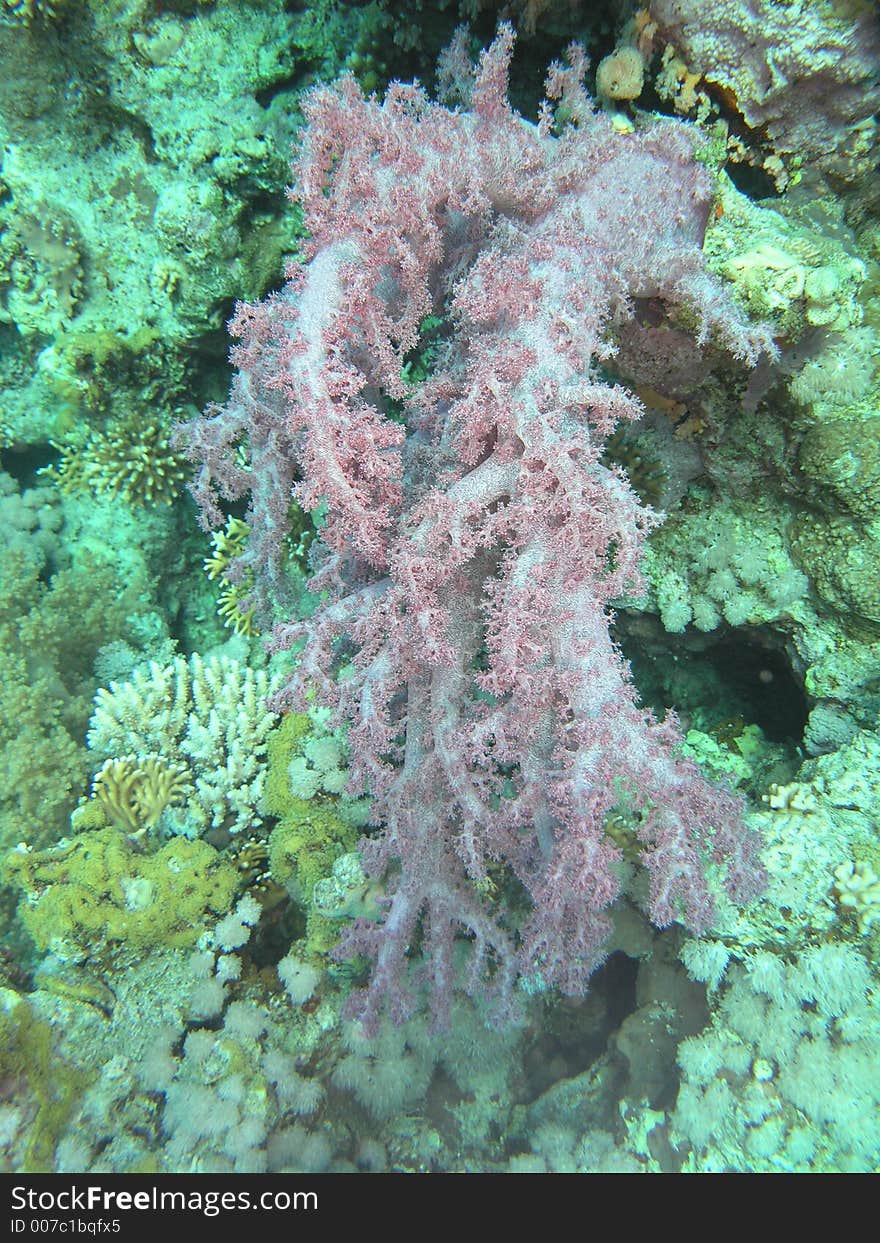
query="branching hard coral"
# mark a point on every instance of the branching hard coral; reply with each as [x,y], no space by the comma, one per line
[857,889]
[208,719]
[228,545]
[133,791]
[472,549]
[229,563]
[134,461]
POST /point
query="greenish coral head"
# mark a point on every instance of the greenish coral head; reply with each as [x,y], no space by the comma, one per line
[95,890]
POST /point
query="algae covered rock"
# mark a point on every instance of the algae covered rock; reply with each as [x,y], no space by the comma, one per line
[843,456]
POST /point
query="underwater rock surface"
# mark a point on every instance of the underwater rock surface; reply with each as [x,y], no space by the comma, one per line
[486,777]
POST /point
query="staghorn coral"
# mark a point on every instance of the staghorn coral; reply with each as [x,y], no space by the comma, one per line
[207,718]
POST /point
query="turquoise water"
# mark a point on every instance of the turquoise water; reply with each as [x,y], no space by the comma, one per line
[440,611]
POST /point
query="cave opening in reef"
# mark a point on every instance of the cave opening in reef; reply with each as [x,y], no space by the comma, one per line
[742,674]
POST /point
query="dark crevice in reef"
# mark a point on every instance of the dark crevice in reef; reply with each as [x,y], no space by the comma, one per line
[576,1031]
[751,181]
[25,464]
[761,677]
[726,674]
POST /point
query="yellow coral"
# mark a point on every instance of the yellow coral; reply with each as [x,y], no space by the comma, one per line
[230,608]
[284,742]
[229,544]
[621,74]
[133,791]
[310,836]
[96,890]
[304,846]
[857,889]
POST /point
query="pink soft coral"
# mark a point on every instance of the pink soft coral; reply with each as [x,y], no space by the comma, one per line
[470,555]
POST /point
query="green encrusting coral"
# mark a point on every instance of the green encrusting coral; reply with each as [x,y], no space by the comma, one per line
[844,568]
[31,1071]
[843,456]
[49,634]
[96,890]
[310,835]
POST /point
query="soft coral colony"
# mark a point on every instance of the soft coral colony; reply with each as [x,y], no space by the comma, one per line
[474,543]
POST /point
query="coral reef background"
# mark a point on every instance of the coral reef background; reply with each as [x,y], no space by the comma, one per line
[189,888]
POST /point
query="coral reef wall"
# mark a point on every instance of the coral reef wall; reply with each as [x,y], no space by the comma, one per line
[485,777]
